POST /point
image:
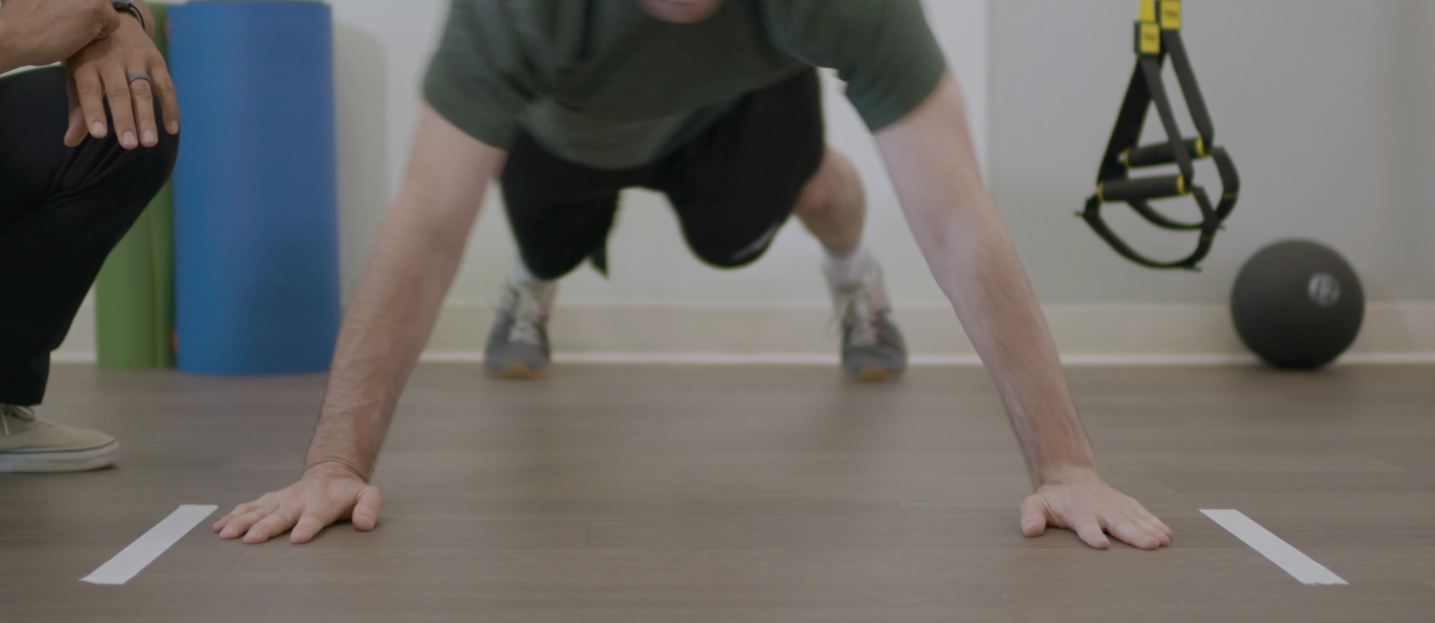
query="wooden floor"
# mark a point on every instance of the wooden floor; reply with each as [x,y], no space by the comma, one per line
[677,495]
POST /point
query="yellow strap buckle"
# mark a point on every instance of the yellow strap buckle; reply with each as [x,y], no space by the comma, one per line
[1148,39]
[1170,14]
[1148,11]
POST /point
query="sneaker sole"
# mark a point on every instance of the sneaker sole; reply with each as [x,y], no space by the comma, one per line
[876,375]
[518,372]
[59,461]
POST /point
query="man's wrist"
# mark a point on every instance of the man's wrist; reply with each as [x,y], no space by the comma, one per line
[142,13]
[334,466]
[132,21]
[1066,472]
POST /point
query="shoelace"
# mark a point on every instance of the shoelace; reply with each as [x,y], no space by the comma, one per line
[858,317]
[12,411]
[527,317]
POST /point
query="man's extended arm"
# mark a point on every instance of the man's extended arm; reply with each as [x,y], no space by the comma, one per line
[385,329]
[932,162]
[41,32]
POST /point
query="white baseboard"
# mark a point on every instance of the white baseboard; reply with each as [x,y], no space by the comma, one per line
[799,334]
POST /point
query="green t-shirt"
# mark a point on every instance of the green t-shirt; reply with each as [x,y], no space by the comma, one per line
[601,83]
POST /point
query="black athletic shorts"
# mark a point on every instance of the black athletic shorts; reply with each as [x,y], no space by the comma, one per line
[732,187]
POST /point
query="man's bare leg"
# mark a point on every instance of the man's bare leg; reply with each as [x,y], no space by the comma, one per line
[833,206]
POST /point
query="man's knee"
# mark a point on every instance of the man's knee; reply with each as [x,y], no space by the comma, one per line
[121,180]
[731,252]
[148,168]
[834,189]
[553,266]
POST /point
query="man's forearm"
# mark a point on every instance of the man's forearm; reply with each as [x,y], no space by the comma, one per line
[12,52]
[9,57]
[384,331]
[934,168]
[992,295]
[401,291]
[41,32]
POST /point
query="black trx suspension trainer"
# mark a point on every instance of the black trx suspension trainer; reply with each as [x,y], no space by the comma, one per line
[1158,35]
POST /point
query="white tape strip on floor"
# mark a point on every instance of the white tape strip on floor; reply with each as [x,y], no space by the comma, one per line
[1300,566]
[133,559]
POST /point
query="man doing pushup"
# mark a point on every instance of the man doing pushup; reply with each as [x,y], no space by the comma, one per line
[714,103]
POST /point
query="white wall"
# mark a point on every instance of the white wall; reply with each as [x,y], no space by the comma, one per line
[1417,66]
[1313,98]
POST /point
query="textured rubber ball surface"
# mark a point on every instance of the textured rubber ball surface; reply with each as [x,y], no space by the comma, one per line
[1298,304]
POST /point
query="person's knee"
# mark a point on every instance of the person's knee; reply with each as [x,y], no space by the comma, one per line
[150,167]
[142,173]
[144,170]
[731,253]
[553,264]
[119,179]
[833,191]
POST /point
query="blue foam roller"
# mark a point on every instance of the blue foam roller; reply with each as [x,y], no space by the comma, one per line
[255,198]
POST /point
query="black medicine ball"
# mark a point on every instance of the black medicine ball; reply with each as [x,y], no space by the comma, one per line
[1297,304]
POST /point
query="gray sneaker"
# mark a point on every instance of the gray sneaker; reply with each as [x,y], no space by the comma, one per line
[31,445]
[872,346]
[518,344]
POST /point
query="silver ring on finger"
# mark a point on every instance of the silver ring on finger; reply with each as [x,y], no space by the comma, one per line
[139,75]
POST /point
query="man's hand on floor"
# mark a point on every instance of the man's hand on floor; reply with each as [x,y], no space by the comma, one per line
[1082,502]
[325,494]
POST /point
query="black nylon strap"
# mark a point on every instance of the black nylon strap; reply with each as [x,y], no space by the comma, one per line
[1128,128]
[1114,181]
[1176,48]
[1151,70]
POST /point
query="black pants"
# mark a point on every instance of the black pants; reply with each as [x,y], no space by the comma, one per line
[61,212]
[732,188]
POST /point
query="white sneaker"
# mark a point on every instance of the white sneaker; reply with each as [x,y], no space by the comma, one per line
[31,445]
[518,343]
[872,346]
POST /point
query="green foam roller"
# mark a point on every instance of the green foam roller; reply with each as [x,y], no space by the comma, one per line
[134,293]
